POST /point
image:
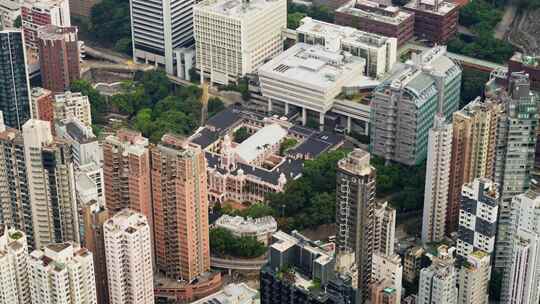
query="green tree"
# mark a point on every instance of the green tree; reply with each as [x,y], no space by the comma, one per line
[110,21]
[241,134]
[293,20]
[286,145]
[17,22]
[143,122]
[215,105]
[223,242]
[124,45]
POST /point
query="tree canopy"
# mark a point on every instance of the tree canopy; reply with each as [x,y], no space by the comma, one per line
[111,23]
[472,85]
[224,243]
[310,200]
[152,105]
[481,17]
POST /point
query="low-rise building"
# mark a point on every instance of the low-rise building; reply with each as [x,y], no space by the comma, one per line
[373,17]
[434,20]
[232,294]
[309,78]
[233,178]
[528,64]
[260,228]
[379,51]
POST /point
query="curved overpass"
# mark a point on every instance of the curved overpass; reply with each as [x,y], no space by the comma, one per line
[237,264]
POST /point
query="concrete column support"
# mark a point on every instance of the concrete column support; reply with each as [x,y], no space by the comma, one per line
[269,105]
[321,121]
[349,122]
[286,108]
[304,116]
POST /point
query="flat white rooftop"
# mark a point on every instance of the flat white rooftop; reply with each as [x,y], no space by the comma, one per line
[313,65]
[345,34]
[438,7]
[235,8]
[256,144]
[392,15]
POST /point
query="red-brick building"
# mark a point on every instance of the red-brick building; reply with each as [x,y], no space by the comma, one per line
[42,104]
[59,57]
[434,20]
[37,13]
[373,17]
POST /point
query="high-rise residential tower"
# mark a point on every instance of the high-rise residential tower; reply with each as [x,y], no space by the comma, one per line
[403,107]
[37,13]
[180,209]
[15,206]
[355,199]
[438,281]
[59,57]
[474,276]
[14,83]
[385,229]
[161,31]
[473,150]
[62,273]
[126,170]
[94,216]
[128,249]
[521,279]
[14,277]
[233,38]
[437,176]
[515,152]
[51,185]
[477,218]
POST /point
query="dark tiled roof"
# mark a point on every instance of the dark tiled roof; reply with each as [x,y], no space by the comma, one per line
[76,133]
[204,138]
[224,119]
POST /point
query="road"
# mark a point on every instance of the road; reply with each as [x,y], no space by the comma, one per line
[470,62]
[237,264]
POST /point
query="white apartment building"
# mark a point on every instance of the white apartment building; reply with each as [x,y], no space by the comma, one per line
[260,228]
[72,105]
[474,278]
[128,251]
[235,37]
[438,281]
[523,283]
[62,273]
[521,280]
[388,268]
[51,185]
[380,52]
[437,180]
[385,229]
[478,212]
[13,268]
[309,78]
[9,11]
[84,144]
[162,34]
